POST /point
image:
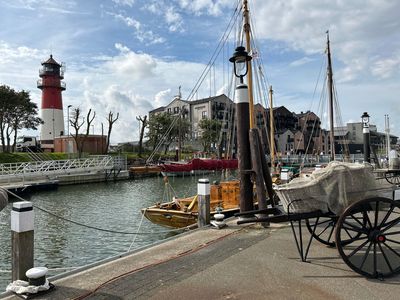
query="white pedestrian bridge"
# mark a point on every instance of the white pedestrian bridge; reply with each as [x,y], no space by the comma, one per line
[13,173]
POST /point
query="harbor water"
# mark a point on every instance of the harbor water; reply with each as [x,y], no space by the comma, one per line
[61,245]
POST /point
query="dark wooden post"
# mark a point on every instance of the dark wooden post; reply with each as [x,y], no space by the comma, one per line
[266,173]
[203,194]
[22,227]
[257,168]
[243,126]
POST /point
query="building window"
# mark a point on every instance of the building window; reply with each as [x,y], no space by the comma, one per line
[169,110]
[176,110]
[203,114]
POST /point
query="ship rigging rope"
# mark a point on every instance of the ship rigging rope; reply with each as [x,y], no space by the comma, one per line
[98,228]
[223,40]
[217,50]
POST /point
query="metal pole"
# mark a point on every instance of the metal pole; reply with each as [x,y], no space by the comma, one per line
[68,107]
[243,144]
[367,148]
[271,130]
[203,192]
[22,228]
[387,129]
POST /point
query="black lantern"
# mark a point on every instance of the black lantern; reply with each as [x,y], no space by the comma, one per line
[365,120]
[239,59]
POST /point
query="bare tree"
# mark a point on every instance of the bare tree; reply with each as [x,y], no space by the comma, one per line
[111,122]
[143,121]
[77,125]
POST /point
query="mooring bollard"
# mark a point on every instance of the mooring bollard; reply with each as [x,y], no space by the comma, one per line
[203,192]
[22,239]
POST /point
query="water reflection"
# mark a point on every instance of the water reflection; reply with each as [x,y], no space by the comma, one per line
[112,206]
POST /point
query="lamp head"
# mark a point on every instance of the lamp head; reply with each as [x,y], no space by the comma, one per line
[239,59]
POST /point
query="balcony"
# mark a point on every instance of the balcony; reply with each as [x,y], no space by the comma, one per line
[41,83]
[51,71]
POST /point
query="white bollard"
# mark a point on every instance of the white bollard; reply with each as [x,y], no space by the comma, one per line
[203,192]
[22,228]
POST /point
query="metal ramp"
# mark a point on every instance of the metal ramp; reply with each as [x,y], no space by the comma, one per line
[12,173]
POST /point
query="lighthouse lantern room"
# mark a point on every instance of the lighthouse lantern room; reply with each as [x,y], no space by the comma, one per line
[51,84]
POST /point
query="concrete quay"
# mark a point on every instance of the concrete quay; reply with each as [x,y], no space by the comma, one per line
[237,262]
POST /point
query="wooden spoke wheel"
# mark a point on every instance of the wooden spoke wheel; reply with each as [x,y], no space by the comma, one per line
[325,228]
[375,252]
[393,177]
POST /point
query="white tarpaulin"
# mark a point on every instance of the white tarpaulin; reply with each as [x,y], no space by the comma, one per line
[332,188]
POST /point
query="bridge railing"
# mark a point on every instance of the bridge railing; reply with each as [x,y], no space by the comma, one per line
[58,167]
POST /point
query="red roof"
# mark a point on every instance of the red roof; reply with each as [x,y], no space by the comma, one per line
[51,61]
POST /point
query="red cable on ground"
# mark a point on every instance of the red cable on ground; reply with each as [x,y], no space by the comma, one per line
[190,251]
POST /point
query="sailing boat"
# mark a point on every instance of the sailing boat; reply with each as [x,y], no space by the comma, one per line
[225,195]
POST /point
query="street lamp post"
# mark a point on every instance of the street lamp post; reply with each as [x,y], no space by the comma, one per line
[240,59]
[68,107]
[366,136]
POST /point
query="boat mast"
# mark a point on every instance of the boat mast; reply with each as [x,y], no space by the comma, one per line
[271,129]
[330,89]
[246,27]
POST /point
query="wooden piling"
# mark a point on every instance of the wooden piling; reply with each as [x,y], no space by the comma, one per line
[203,192]
[22,234]
[257,168]
[266,172]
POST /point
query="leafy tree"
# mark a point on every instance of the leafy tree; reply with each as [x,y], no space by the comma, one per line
[210,133]
[166,128]
[16,112]
[159,126]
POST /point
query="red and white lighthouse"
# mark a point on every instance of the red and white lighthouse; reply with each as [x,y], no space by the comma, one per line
[52,115]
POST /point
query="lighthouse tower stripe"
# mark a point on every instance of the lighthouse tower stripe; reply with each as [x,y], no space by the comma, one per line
[51,98]
[48,131]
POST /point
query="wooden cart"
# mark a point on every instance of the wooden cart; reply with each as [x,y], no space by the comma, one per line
[366,234]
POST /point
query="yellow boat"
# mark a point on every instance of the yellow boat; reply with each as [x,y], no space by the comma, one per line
[182,212]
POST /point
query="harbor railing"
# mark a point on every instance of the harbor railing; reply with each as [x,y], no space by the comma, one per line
[11,172]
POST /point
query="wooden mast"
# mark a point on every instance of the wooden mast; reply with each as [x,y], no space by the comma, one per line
[271,129]
[246,27]
[330,89]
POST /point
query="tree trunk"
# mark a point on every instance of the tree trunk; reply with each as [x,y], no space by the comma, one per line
[144,123]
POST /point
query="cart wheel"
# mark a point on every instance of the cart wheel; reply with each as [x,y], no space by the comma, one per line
[375,252]
[393,178]
[324,230]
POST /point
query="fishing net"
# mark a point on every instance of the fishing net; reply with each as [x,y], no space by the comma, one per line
[330,189]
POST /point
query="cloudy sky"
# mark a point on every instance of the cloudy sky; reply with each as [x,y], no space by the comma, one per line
[130,56]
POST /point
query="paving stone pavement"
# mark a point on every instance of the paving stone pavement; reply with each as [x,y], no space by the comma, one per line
[234,263]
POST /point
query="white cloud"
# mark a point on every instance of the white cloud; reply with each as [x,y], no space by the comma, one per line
[301,61]
[387,67]
[137,66]
[124,2]
[173,19]
[209,7]
[141,34]
[359,30]
[162,97]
